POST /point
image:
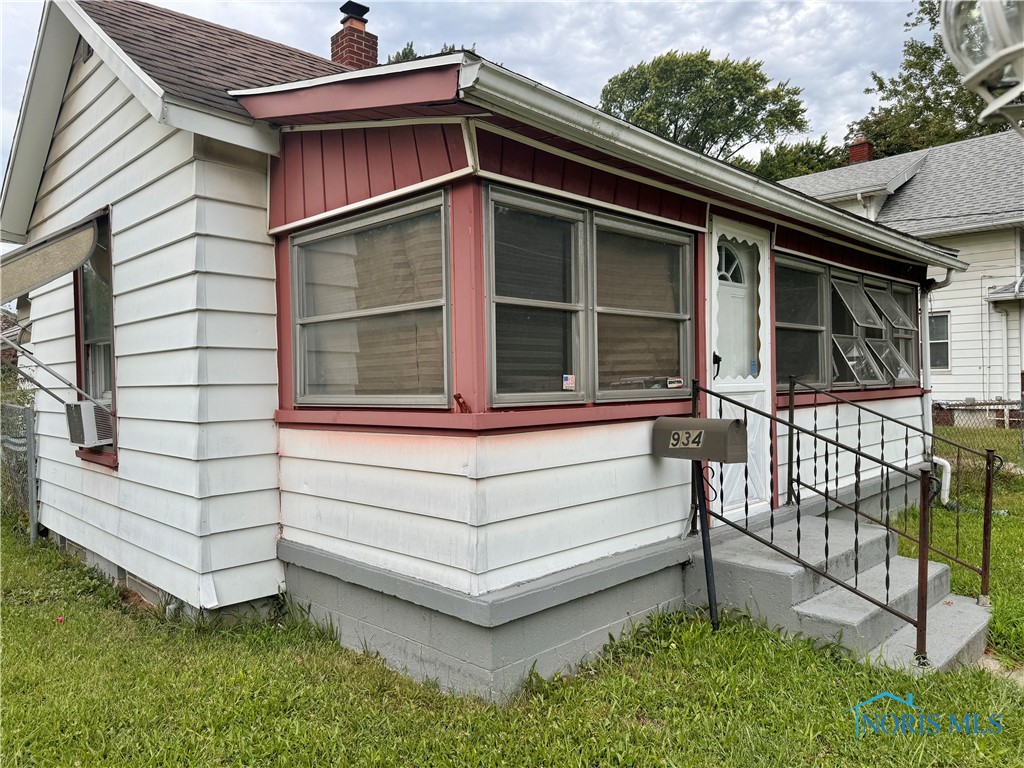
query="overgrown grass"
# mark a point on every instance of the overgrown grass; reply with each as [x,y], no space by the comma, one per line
[1005,442]
[112,685]
[1006,589]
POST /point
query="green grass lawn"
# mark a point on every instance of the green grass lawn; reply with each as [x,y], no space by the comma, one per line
[89,680]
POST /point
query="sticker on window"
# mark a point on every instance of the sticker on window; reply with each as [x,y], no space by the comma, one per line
[674,382]
[569,382]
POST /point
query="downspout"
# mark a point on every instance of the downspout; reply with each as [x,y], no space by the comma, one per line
[1006,350]
[926,356]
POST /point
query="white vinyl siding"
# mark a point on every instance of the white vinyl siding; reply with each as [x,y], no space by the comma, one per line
[983,364]
[193,505]
[476,514]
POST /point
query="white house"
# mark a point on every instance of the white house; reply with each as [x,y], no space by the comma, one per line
[969,196]
[393,338]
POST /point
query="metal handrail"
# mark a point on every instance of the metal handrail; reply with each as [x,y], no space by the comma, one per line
[928,485]
[920,430]
[993,463]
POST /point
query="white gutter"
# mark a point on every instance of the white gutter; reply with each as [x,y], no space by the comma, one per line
[495,88]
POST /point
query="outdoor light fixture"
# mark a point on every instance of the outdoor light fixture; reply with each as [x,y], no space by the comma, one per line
[985,40]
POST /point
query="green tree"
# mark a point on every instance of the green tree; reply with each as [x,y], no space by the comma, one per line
[714,106]
[925,104]
[408,52]
[784,160]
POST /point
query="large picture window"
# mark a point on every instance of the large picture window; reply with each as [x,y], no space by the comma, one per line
[837,328]
[370,298]
[585,306]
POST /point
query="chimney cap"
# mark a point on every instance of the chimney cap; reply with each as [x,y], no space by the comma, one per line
[353,10]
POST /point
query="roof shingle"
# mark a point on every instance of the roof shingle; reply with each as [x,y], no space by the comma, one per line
[959,187]
[198,61]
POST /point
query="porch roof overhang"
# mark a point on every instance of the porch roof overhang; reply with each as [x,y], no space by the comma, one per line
[485,88]
[1011,292]
[25,269]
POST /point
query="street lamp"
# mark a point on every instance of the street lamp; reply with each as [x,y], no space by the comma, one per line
[985,40]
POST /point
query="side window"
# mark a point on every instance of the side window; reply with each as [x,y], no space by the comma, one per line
[94,306]
[938,344]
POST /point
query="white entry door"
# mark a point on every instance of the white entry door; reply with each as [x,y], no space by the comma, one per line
[740,359]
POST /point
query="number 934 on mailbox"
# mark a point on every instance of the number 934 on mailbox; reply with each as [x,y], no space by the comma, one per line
[723,440]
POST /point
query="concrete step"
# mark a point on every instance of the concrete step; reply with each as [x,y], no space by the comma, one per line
[957,629]
[841,616]
[751,577]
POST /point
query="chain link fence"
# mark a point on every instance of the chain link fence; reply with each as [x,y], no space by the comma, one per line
[996,424]
[18,461]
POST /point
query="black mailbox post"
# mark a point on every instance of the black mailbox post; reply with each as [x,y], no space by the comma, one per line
[700,440]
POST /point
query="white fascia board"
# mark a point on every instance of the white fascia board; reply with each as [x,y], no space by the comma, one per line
[248,134]
[164,109]
[40,106]
[493,87]
[141,85]
[357,74]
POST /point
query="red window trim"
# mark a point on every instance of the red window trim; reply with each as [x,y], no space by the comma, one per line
[518,420]
[810,399]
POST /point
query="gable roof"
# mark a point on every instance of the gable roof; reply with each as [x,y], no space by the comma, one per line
[179,68]
[198,61]
[150,64]
[887,174]
[955,188]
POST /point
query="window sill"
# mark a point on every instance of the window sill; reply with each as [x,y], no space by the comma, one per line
[522,419]
[804,399]
[103,458]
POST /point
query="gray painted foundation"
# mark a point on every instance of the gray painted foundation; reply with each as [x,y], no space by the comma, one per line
[489,661]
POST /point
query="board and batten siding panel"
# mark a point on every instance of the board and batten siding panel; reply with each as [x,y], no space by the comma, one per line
[476,514]
[319,171]
[192,507]
[977,351]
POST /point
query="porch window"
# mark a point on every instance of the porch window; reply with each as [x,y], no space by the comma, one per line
[938,340]
[801,331]
[585,306]
[869,330]
[371,308]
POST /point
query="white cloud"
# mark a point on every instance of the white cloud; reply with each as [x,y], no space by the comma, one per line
[826,48]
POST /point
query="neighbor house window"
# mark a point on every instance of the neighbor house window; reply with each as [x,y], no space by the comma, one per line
[585,306]
[370,298]
[938,340]
[840,328]
[94,307]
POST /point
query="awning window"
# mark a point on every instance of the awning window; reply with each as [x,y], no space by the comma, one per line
[42,262]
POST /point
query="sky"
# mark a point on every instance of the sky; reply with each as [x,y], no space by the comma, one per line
[827,48]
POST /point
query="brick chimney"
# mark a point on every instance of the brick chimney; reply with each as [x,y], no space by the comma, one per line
[353,46]
[861,150]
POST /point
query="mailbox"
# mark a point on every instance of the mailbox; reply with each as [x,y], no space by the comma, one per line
[723,440]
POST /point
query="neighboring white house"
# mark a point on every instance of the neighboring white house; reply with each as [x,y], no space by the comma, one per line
[394,338]
[969,196]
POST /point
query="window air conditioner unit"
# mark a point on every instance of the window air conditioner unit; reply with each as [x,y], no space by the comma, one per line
[89,425]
